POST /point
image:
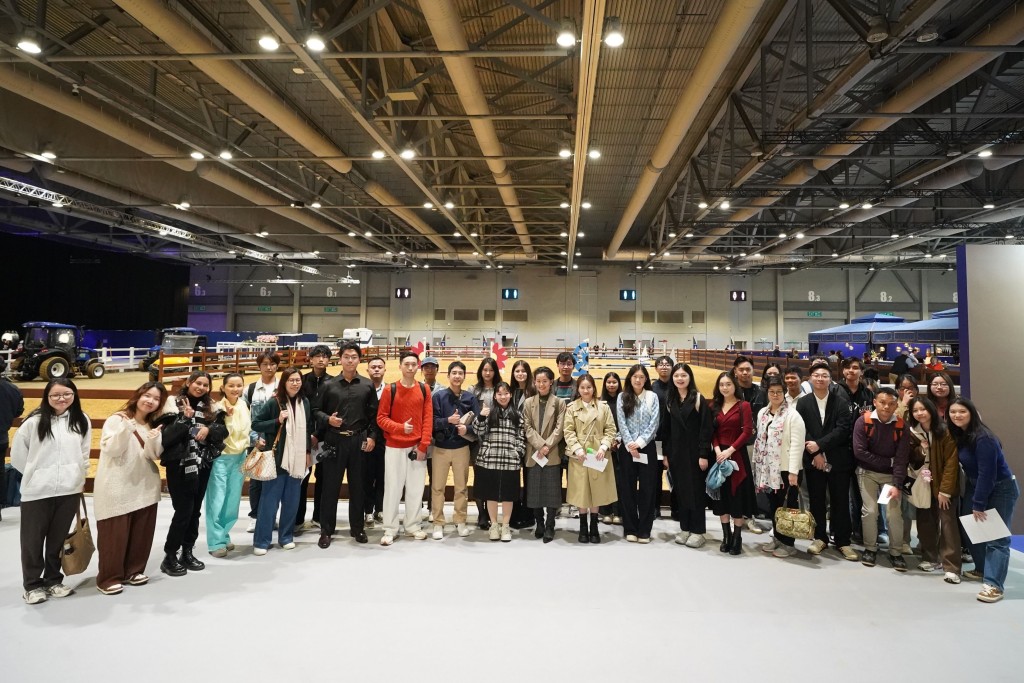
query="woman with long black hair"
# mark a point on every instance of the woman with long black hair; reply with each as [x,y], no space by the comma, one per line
[639,413]
[589,429]
[941,392]
[502,447]
[689,429]
[733,429]
[192,438]
[990,485]
[488,376]
[51,450]
[286,423]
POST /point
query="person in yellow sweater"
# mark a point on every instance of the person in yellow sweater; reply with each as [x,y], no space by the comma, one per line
[225,490]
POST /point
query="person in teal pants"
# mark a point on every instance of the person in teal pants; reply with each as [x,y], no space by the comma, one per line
[225,490]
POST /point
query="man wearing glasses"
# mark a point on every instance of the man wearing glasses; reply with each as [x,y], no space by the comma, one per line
[827,460]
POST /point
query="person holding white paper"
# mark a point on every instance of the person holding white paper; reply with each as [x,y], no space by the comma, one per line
[990,486]
[639,412]
[690,425]
[543,417]
[733,430]
[881,449]
[934,452]
[589,428]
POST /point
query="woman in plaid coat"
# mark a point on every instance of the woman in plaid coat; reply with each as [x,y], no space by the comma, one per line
[502,447]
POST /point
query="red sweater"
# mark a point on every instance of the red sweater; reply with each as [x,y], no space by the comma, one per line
[408,404]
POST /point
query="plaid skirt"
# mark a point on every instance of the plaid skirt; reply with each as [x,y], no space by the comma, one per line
[544,486]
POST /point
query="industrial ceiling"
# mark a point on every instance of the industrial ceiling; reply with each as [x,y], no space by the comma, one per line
[719,135]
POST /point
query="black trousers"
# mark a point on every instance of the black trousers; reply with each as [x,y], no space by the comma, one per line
[318,485]
[777,499]
[255,487]
[45,524]
[834,485]
[373,479]
[187,500]
[352,460]
[639,488]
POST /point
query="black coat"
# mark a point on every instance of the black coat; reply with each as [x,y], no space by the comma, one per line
[832,436]
[12,405]
[689,431]
[176,434]
[266,425]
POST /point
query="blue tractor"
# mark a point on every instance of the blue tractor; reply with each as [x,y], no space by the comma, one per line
[53,351]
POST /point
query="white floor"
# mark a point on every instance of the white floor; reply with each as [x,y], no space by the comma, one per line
[462,609]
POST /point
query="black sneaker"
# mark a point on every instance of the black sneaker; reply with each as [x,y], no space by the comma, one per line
[898,563]
[867,558]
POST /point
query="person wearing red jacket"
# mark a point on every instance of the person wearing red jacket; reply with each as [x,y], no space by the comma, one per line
[406,418]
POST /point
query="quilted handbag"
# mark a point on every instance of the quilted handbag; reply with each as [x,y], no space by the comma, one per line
[78,546]
[261,465]
[794,522]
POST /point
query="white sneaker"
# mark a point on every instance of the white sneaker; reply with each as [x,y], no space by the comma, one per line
[36,596]
[783,551]
[419,534]
[289,546]
[368,522]
[59,591]
[495,532]
[631,538]
[616,519]
[753,527]
[463,530]
[607,519]
[682,537]
[695,541]
[506,533]
[816,547]
[438,532]
[770,546]
[251,529]
[259,552]
[927,566]
[387,539]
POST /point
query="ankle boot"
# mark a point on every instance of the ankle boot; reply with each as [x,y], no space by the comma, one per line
[538,516]
[595,534]
[736,544]
[549,525]
[584,531]
[171,566]
[726,538]
[190,561]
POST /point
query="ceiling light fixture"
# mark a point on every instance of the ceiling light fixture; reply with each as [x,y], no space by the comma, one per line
[263,233]
[58,204]
[689,234]
[566,34]
[927,34]
[198,156]
[428,205]
[48,154]
[895,235]
[564,205]
[269,42]
[316,252]
[563,234]
[378,154]
[878,30]
[226,155]
[30,44]
[714,267]
[835,254]
[799,235]
[408,153]
[351,234]
[316,204]
[984,154]
[580,234]
[449,204]
[725,204]
[866,205]
[783,235]
[586,204]
[671,235]
[702,205]
[315,43]
[613,32]
[368,234]
[565,152]
[565,253]
[474,234]
[594,154]
[844,205]
[1008,237]
[990,205]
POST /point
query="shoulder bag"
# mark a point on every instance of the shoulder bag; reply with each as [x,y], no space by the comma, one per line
[262,465]
[78,548]
[794,522]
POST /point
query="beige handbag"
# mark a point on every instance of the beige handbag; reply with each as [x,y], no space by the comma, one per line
[794,522]
[78,548]
[261,465]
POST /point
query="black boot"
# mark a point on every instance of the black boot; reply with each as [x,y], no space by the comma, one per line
[483,519]
[190,561]
[584,532]
[549,525]
[595,534]
[538,516]
[171,566]
[726,537]
[736,544]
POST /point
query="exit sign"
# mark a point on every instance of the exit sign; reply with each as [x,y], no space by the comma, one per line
[264,309]
[199,309]
[886,313]
[330,309]
[813,314]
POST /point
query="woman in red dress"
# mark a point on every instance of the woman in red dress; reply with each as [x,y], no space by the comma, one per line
[733,429]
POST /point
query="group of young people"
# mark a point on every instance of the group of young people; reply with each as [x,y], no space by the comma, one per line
[839,441]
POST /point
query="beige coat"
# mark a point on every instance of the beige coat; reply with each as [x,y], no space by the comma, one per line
[550,433]
[589,426]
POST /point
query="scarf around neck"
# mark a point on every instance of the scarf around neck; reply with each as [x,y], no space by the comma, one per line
[293,455]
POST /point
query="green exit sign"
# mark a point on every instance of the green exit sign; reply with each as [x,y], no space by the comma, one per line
[264,309]
[886,313]
[330,309]
[199,309]
[813,314]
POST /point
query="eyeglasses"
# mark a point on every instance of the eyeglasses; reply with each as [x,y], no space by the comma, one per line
[61,397]
[939,384]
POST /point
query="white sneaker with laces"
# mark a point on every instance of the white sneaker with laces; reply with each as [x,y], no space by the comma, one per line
[387,539]
[259,552]
[438,532]
[927,566]
[506,533]
[59,591]
[753,527]
[251,529]
[682,537]
[695,541]
[463,530]
[368,522]
[35,596]
[495,532]
[419,534]
[289,546]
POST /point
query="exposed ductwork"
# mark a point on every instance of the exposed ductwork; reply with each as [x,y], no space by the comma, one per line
[953,69]
[642,256]
[446,26]
[736,19]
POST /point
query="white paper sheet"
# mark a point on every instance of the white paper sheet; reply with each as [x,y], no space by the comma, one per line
[993,528]
[883,496]
[542,461]
[642,459]
[593,463]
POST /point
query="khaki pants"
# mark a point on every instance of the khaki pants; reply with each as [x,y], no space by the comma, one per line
[457,460]
[939,532]
[871,484]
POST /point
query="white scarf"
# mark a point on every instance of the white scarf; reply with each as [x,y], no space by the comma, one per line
[293,457]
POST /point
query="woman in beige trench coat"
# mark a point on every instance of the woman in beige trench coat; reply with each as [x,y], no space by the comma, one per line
[589,430]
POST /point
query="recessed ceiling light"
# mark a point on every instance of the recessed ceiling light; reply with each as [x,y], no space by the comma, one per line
[269,42]
[407,153]
[198,156]
[702,205]
[315,43]
[378,154]
[984,154]
[226,155]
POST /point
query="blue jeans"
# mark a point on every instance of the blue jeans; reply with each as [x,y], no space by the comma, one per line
[282,493]
[992,559]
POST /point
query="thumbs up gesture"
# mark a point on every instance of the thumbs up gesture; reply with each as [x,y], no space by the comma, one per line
[334,420]
[407,426]
[454,419]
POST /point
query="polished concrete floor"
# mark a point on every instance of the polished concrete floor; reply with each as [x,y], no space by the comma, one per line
[462,609]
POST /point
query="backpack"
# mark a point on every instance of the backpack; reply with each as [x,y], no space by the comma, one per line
[869,427]
[394,387]
[249,392]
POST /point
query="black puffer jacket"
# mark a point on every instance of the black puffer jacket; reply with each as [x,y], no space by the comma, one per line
[177,431]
